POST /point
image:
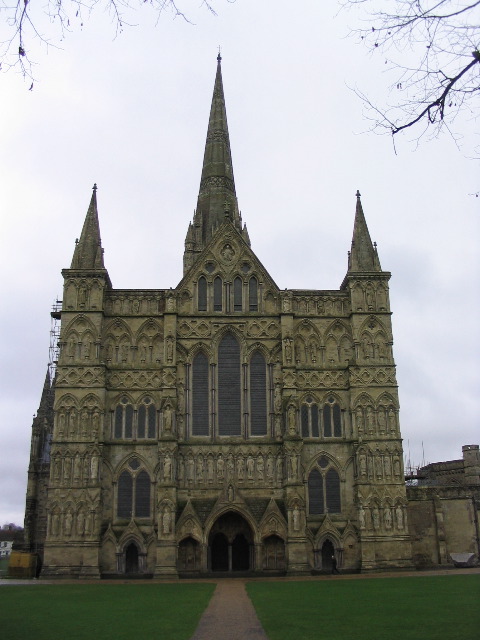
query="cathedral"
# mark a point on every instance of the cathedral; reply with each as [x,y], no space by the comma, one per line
[222,425]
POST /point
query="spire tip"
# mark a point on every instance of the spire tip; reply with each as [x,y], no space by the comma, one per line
[219,57]
[95,187]
[358,194]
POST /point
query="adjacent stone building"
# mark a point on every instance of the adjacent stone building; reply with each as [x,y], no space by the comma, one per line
[223,424]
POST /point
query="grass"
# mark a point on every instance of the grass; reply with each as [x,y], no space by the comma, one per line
[418,608]
[109,612]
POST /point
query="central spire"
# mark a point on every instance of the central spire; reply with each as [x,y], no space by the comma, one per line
[217,199]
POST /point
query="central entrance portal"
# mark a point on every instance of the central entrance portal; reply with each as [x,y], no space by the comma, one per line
[231,544]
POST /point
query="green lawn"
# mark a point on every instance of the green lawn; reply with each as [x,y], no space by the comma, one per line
[418,608]
[109,612]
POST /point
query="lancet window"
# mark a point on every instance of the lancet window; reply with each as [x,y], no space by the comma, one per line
[135,423]
[133,495]
[321,422]
[324,488]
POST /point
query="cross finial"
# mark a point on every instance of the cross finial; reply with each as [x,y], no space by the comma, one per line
[95,186]
[358,194]
[219,57]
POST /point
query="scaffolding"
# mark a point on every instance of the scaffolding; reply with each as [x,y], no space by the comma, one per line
[54,348]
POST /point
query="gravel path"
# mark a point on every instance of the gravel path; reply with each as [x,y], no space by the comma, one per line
[230,615]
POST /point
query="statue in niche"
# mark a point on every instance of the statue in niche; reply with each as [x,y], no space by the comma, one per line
[277,398]
[181,468]
[292,419]
[84,422]
[399,516]
[313,351]
[136,305]
[77,468]
[382,421]
[190,469]
[81,523]
[260,468]
[387,516]
[61,423]
[167,418]
[57,465]
[200,468]
[278,427]
[210,469]
[170,303]
[293,466]
[220,467]
[370,420]
[396,466]
[250,467]
[230,466]
[363,464]
[166,520]
[359,420]
[143,353]
[170,349]
[270,469]
[288,349]
[72,421]
[388,466]
[124,352]
[67,467]
[95,423]
[87,346]
[279,468]
[55,523]
[361,516]
[376,517]
[370,298]
[88,523]
[286,304]
[167,468]
[86,468]
[68,523]
[72,347]
[382,298]
[379,465]
[392,420]
[228,253]
[94,467]
[108,351]
[231,494]
[82,295]
[240,468]
[296,518]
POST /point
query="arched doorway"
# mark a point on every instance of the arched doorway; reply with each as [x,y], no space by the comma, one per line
[131,558]
[231,544]
[219,552]
[274,554]
[189,555]
[328,551]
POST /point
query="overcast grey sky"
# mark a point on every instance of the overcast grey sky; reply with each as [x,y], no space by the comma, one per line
[131,115]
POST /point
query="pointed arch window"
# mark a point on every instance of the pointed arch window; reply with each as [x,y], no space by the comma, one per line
[324,488]
[310,418]
[332,419]
[238,294]
[133,497]
[258,395]
[217,294]
[229,387]
[253,294]
[129,424]
[200,395]
[202,294]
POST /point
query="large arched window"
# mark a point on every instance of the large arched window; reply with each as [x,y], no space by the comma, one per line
[200,393]
[133,496]
[202,294]
[229,387]
[324,488]
[258,395]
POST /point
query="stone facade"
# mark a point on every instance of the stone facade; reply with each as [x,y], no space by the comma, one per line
[224,424]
